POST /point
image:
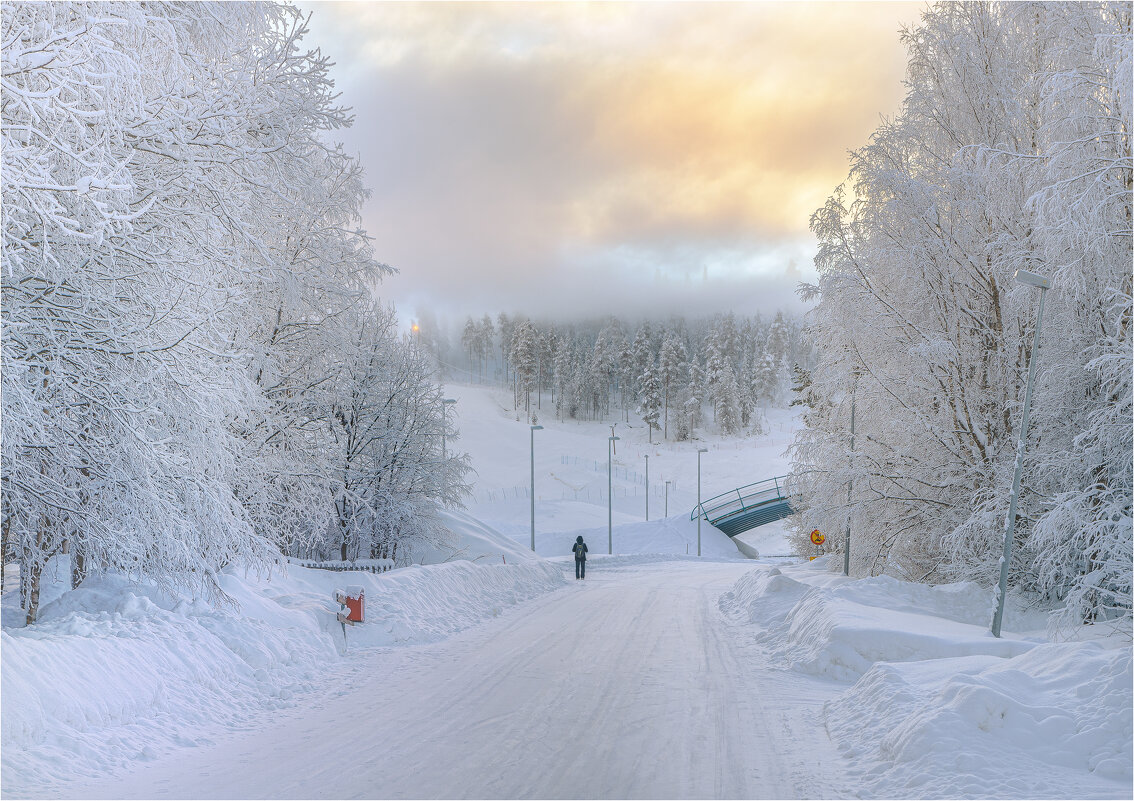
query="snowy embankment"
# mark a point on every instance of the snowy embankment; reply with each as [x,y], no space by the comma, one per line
[938,706]
[116,673]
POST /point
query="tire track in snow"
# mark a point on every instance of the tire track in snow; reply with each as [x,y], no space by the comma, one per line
[628,684]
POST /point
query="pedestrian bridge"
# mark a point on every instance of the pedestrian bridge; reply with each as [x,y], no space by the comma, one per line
[746,507]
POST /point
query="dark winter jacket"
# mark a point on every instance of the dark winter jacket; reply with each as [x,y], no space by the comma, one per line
[580,549]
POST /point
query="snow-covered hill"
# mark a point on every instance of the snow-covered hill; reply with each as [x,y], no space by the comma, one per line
[571,477]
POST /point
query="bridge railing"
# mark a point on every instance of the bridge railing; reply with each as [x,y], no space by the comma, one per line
[740,499]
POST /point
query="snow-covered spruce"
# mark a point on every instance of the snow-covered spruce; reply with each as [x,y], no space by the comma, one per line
[592,370]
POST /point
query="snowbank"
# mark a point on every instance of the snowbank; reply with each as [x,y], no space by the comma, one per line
[940,707]
[476,542]
[115,672]
[1054,722]
[826,625]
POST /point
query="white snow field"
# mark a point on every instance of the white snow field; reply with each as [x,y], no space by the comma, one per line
[571,477]
[497,675]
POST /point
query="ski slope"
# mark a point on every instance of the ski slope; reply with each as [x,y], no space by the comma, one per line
[626,685]
[570,463]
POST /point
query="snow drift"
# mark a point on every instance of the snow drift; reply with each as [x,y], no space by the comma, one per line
[939,707]
[841,630]
[116,672]
[1058,714]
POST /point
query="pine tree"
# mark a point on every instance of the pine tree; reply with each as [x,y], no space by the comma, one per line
[506,325]
[564,400]
[525,360]
[671,364]
[649,393]
[694,396]
[486,334]
[470,339]
[626,375]
[776,350]
[642,353]
[726,401]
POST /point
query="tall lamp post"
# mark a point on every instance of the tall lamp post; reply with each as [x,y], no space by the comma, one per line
[1031,279]
[609,497]
[647,488]
[533,430]
[445,404]
[700,511]
[850,484]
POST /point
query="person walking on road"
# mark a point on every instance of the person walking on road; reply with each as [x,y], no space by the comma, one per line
[580,549]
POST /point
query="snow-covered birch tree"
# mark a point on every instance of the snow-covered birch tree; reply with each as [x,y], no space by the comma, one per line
[1011,151]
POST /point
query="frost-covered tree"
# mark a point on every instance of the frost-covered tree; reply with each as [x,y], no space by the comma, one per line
[649,395]
[642,352]
[470,340]
[133,228]
[505,324]
[726,401]
[185,291]
[1011,151]
[486,335]
[626,377]
[671,364]
[693,397]
[775,364]
[524,357]
[387,428]
[564,403]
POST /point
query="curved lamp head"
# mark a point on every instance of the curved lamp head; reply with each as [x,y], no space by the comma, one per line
[1032,279]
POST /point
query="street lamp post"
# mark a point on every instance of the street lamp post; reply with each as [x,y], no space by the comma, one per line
[1031,279]
[667,498]
[609,496]
[533,430]
[700,511]
[647,488]
[445,404]
[850,484]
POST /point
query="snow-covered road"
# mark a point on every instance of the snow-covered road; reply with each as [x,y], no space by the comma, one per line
[630,684]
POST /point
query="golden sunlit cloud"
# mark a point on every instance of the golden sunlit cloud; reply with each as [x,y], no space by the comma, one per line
[504,135]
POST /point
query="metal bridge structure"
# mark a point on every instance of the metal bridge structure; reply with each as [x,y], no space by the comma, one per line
[746,507]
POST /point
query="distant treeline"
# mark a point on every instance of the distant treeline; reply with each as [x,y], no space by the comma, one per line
[668,372]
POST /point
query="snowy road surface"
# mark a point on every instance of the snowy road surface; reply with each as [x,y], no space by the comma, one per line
[630,685]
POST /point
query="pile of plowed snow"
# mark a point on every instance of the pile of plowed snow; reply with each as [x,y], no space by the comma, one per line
[939,708]
[116,672]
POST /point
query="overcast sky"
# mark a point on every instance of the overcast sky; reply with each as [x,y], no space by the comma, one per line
[569,159]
